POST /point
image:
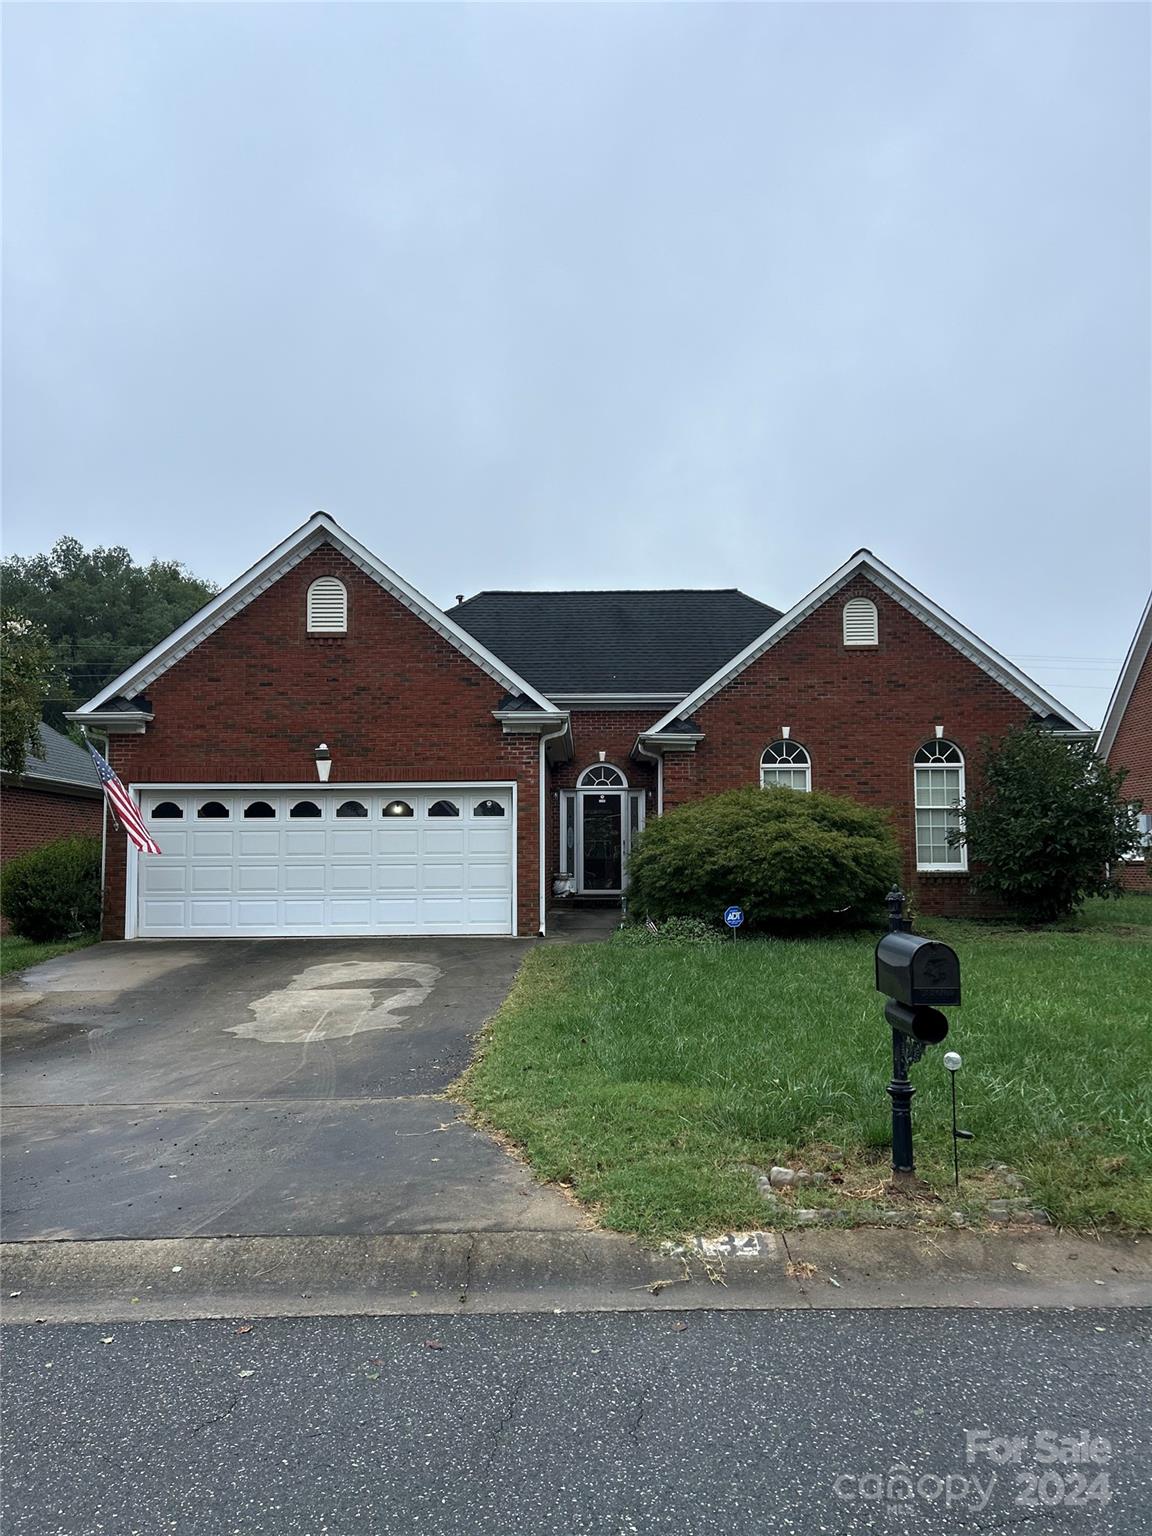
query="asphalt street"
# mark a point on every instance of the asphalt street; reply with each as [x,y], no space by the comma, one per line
[952,1422]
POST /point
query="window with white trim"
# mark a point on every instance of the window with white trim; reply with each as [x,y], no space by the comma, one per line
[1139,855]
[939,774]
[861,625]
[786,763]
[602,776]
[327,607]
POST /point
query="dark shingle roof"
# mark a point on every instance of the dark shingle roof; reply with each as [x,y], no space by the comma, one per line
[60,761]
[615,642]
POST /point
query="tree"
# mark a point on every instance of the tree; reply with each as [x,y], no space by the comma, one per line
[1047,824]
[25,679]
[99,609]
[781,854]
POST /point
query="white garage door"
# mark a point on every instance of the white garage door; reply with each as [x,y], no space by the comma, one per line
[354,861]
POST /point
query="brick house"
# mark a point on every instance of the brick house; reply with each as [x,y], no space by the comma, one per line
[321,750]
[1126,736]
[57,795]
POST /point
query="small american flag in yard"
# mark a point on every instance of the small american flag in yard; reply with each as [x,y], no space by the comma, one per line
[650,925]
[123,810]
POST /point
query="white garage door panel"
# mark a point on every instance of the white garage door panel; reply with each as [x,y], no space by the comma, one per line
[315,874]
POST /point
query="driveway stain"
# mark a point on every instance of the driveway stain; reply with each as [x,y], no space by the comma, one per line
[317,1004]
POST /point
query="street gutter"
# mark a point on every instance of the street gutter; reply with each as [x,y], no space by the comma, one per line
[488,1272]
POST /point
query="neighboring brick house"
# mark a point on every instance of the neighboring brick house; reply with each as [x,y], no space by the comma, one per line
[322,750]
[1126,737]
[58,795]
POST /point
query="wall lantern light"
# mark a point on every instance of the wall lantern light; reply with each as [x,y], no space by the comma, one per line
[323,762]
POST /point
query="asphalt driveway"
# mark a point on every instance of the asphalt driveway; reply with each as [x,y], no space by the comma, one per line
[269,1087]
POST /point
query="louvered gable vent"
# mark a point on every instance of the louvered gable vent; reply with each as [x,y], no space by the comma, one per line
[860,622]
[327,607]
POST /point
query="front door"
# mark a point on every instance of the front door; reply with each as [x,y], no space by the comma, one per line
[602,841]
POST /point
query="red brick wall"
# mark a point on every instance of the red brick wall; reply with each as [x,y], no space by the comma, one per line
[29,818]
[861,713]
[392,698]
[1132,749]
[613,732]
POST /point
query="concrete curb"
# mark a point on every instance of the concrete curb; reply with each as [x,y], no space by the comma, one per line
[566,1272]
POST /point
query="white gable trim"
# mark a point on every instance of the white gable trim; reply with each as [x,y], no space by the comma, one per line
[319,529]
[1126,682]
[865,563]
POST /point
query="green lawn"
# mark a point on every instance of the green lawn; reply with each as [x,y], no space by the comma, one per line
[18,954]
[650,1078]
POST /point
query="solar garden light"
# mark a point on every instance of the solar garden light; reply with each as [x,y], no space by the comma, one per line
[954,1061]
[323,762]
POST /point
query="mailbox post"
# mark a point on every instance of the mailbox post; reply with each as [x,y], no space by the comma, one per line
[918,976]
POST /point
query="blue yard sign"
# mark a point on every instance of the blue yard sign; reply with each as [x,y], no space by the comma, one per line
[734,916]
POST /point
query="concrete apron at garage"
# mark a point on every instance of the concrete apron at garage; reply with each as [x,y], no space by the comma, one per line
[256,1088]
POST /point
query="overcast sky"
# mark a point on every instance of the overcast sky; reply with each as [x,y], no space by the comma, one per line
[614,295]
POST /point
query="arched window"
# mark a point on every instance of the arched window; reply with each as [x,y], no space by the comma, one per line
[444,808]
[488,808]
[398,808]
[258,810]
[861,626]
[327,606]
[212,810]
[602,776]
[786,763]
[352,808]
[167,810]
[305,808]
[939,771]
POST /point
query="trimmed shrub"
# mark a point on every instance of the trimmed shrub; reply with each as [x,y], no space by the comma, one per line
[782,855]
[53,892]
[1048,824]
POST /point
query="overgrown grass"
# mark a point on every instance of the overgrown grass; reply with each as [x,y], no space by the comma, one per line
[651,1079]
[17,954]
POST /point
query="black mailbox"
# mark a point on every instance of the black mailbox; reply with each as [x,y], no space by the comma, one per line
[921,973]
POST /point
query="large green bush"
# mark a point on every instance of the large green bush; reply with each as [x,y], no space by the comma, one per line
[780,854]
[1048,824]
[53,892]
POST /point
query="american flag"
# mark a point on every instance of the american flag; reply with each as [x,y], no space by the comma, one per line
[123,810]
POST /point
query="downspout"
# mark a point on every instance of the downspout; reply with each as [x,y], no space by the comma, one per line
[544,740]
[658,759]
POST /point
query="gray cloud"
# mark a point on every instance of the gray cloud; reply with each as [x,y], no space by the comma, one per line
[595,296]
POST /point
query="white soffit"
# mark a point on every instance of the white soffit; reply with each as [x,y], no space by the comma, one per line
[319,529]
[865,563]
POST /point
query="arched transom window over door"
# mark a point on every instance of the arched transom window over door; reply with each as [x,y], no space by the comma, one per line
[602,776]
[939,771]
[786,763]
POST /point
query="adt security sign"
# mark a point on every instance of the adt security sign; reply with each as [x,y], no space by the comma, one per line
[734,916]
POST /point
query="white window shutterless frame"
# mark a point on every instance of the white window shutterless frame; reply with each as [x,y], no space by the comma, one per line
[938,770]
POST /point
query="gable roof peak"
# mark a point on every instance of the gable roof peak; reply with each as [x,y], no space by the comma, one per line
[890,582]
[1130,670]
[300,543]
